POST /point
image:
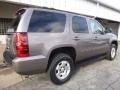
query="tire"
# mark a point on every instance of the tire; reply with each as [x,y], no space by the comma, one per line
[61,68]
[112,52]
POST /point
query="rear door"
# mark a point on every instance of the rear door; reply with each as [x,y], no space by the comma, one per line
[10,51]
[98,36]
[81,36]
[46,29]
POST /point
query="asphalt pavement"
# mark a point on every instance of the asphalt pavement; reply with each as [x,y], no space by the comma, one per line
[95,74]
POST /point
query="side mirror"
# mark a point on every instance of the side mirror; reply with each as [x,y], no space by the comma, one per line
[108,30]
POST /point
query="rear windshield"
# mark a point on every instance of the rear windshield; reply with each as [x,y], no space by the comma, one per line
[43,21]
[15,22]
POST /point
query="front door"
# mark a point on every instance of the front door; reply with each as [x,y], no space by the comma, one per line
[81,37]
[99,38]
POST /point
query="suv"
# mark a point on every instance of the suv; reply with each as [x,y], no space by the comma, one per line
[48,40]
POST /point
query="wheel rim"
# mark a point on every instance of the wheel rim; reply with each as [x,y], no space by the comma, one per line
[62,70]
[113,52]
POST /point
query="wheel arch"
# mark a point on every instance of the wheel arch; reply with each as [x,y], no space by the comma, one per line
[66,49]
[115,42]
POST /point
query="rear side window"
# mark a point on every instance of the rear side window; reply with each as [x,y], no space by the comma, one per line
[79,24]
[43,21]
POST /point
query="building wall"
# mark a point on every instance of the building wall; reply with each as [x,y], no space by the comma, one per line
[87,7]
[8,10]
[114,27]
[110,24]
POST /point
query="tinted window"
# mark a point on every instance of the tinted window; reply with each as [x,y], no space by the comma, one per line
[16,22]
[95,27]
[79,25]
[42,21]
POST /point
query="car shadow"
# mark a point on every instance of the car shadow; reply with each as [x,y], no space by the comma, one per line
[86,62]
[2,66]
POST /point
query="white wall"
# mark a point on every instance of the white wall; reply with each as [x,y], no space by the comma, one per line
[79,6]
[113,3]
[108,14]
[2,39]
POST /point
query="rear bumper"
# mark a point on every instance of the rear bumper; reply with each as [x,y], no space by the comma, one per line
[30,65]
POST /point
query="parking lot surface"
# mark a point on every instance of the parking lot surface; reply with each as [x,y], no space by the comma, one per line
[96,74]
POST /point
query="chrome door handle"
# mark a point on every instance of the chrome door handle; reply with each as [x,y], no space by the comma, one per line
[95,38]
[76,38]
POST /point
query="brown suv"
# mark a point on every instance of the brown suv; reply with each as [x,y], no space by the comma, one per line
[49,40]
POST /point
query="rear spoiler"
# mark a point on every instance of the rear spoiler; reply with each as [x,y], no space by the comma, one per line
[20,11]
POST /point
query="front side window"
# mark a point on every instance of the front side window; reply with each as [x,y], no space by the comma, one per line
[95,27]
[79,24]
[43,21]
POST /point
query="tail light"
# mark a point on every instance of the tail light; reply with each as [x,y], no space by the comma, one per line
[22,47]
